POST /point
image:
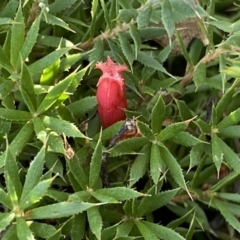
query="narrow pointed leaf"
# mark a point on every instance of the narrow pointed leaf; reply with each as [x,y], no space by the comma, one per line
[5,220]
[5,199]
[168,19]
[95,165]
[16,116]
[17,36]
[145,131]
[61,126]
[95,221]
[158,114]
[34,173]
[157,165]
[23,230]
[136,39]
[31,38]
[82,106]
[140,164]
[19,142]
[40,65]
[58,210]
[174,167]
[164,233]
[230,218]
[13,171]
[27,89]
[5,62]
[145,231]
[119,193]
[217,153]
[53,95]
[35,195]
[171,131]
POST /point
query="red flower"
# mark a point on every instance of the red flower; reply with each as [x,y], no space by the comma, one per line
[111,93]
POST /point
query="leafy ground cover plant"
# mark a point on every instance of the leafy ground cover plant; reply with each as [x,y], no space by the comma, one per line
[177,177]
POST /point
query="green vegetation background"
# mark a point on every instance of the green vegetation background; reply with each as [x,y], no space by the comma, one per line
[179,179]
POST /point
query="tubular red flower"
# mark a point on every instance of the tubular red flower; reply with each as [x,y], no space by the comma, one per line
[111,93]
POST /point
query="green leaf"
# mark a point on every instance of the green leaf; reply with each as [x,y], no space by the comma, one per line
[119,193]
[174,167]
[158,114]
[19,142]
[36,194]
[124,228]
[96,54]
[191,228]
[185,139]
[5,199]
[11,190]
[40,65]
[184,111]
[162,232]
[195,155]
[58,210]
[136,38]
[228,216]
[151,203]
[140,164]
[78,227]
[230,156]
[5,220]
[224,103]
[199,76]
[171,131]
[95,165]
[217,153]
[231,132]
[106,14]
[143,17]
[77,169]
[82,106]
[50,73]
[27,89]
[104,198]
[12,170]
[232,119]
[234,197]
[23,230]
[145,231]
[181,220]
[126,15]
[61,126]
[5,88]
[5,62]
[59,6]
[54,94]
[31,38]
[55,143]
[55,21]
[126,48]
[16,116]
[149,61]
[128,146]
[42,230]
[157,165]
[95,221]
[17,37]
[167,18]
[145,131]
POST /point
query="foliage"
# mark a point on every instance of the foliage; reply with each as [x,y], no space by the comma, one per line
[178,178]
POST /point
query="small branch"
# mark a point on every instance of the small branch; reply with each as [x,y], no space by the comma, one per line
[129,125]
[106,35]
